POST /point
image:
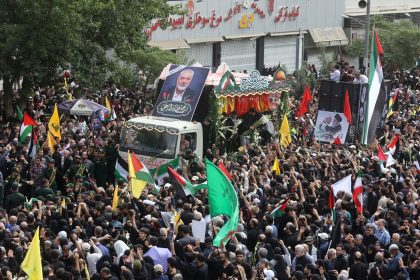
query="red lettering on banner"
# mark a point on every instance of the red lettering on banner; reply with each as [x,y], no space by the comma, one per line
[213,21]
[270,6]
[233,11]
[152,28]
[284,14]
[257,10]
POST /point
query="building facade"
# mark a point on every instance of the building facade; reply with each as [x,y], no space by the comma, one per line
[250,35]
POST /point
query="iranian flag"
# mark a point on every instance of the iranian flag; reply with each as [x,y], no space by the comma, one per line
[382,157]
[280,210]
[393,145]
[377,95]
[358,194]
[182,186]
[26,127]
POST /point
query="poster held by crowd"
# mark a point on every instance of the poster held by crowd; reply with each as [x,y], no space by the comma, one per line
[330,125]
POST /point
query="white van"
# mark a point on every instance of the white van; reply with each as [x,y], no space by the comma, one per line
[157,140]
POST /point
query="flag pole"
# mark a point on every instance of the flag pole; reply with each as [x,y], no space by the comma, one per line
[367,71]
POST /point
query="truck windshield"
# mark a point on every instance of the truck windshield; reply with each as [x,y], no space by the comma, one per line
[149,142]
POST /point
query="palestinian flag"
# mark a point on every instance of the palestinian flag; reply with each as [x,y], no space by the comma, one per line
[280,210]
[391,104]
[162,171]
[358,194]
[222,168]
[26,127]
[227,82]
[33,144]
[141,173]
[393,145]
[377,96]
[182,186]
[121,169]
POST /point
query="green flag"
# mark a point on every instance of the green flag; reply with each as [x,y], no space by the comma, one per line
[19,113]
[162,171]
[223,201]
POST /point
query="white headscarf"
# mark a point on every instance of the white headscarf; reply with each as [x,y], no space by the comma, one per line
[120,247]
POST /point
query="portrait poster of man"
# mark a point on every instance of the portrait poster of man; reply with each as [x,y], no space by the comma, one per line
[330,125]
[180,92]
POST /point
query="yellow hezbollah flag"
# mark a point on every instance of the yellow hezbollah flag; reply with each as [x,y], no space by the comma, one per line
[32,263]
[108,105]
[276,167]
[285,137]
[54,124]
[86,272]
[63,205]
[51,142]
[115,198]
[176,221]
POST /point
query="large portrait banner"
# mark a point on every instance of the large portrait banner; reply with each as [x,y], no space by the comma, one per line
[181,92]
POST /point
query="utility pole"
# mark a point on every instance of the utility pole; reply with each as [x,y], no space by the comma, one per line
[367,27]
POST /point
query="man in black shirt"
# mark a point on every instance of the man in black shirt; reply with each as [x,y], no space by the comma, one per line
[202,268]
[240,260]
[341,263]
[358,270]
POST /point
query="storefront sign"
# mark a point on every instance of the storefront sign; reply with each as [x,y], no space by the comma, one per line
[196,20]
[257,10]
[284,14]
[270,6]
[246,21]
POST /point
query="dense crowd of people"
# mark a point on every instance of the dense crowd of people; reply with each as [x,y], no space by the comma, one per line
[68,194]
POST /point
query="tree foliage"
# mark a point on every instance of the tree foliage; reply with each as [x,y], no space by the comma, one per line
[356,48]
[38,38]
[152,60]
[400,41]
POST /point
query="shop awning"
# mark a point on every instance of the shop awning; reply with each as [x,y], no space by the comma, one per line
[204,40]
[277,34]
[169,44]
[244,36]
[329,36]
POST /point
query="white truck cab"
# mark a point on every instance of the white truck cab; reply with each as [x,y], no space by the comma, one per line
[157,140]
